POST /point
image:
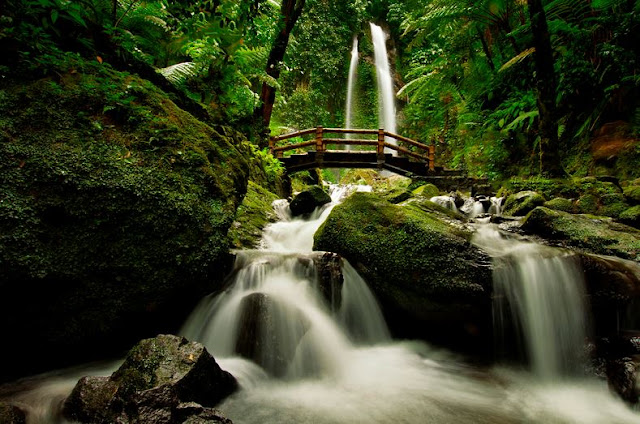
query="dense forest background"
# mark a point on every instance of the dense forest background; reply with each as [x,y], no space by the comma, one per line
[468,73]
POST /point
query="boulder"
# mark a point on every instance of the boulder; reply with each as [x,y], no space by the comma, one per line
[157,376]
[622,376]
[420,265]
[427,191]
[11,414]
[269,332]
[631,216]
[560,204]
[330,279]
[521,203]
[253,214]
[590,233]
[396,194]
[308,200]
[632,194]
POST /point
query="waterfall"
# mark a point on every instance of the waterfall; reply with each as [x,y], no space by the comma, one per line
[541,292]
[386,94]
[351,82]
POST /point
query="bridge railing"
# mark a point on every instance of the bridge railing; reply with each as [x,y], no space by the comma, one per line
[424,153]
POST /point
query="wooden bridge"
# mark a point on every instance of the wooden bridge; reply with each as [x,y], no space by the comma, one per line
[415,160]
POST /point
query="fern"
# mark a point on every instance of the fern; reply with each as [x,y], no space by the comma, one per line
[180,72]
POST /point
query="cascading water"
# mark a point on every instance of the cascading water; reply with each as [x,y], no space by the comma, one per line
[386,94]
[542,292]
[300,358]
[351,82]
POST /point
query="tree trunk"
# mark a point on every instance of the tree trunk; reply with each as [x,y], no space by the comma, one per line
[290,12]
[485,49]
[546,87]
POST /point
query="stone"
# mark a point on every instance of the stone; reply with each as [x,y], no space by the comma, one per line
[308,200]
[560,204]
[427,190]
[157,375]
[631,216]
[622,376]
[11,414]
[521,203]
[420,265]
[330,278]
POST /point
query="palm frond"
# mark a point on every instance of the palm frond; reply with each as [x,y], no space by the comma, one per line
[517,59]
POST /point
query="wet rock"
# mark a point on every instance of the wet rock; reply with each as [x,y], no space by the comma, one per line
[260,330]
[11,414]
[560,204]
[622,376]
[521,203]
[427,191]
[157,376]
[631,216]
[590,233]
[308,200]
[330,278]
[420,265]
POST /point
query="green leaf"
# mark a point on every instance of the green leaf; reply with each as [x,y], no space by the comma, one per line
[54,15]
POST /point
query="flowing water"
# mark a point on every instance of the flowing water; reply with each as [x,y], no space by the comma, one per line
[314,360]
[351,82]
[386,94]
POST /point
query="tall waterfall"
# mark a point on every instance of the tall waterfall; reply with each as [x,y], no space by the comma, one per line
[351,82]
[386,94]
[541,292]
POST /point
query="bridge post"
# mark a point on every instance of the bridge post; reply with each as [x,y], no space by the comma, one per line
[432,157]
[319,146]
[380,147]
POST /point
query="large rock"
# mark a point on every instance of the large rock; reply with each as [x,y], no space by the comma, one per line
[113,214]
[521,203]
[253,214]
[164,380]
[591,233]
[307,201]
[419,264]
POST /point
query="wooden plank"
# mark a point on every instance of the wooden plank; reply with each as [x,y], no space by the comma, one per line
[350,141]
[294,134]
[349,131]
[407,140]
[406,151]
[294,146]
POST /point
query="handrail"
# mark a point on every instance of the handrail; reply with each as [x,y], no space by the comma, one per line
[321,142]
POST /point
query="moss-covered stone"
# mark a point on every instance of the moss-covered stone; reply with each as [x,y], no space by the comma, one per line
[521,203]
[427,191]
[632,194]
[587,203]
[631,216]
[396,195]
[253,214]
[560,204]
[360,177]
[307,201]
[592,233]
[114,211]
[422,268]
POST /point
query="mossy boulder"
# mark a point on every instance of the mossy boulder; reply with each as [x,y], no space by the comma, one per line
[307,201]
[114,211]
[631,216]
[427,191]
[158,378]
[253,214]
[591,233]
[560,204]
[632,194]
[521,203]
[420,265]
[396,195]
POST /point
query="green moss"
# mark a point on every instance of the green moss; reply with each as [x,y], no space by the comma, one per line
[253,214]
[521,203]
[427,191]
[632,194]
[631,216]
[396,195]
[595,234]
[560,204]
[587,203]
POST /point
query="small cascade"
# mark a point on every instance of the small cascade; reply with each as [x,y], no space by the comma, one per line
[351,82]
[446,202]
[540,291]
[386,93]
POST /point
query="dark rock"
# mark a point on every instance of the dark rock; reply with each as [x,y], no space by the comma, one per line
[11,414]
[193,413]
[260,332]
[420,265]
[156,377]
[622,376]
[330,278]
[308,200]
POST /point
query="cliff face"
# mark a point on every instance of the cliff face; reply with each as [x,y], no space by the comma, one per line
[114,211]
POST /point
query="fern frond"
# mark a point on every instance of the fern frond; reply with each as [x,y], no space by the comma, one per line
[517,59]
[180,72]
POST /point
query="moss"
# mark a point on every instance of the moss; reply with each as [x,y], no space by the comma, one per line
[595,234]
[631,216]
[114,209]
[396,195]
[632,194]
[560,204]
[521,203]
[587,203]
[360,177]
[431,207]
[427,190]
[253,214]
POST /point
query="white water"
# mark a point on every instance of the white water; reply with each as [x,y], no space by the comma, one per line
[386,94]
[345,369]
[351,82]
[542,291]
